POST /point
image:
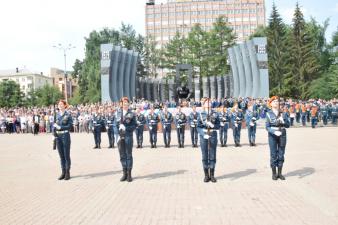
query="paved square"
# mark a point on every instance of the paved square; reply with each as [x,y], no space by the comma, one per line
[168,186]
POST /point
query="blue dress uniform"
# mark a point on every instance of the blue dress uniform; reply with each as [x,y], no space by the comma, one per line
[193,128]
[207,129]
[109,121]
[180,121]
[324,113]
[224,118]
[125,141]
[334,113]
[251,118]
[140,120]
[166,120]
[65,122]
[97,124]
[236,121]
[152,121]
[277,143]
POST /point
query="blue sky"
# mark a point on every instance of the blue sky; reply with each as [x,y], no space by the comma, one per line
[29,28]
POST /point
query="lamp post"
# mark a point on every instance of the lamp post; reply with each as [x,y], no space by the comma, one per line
[65,48]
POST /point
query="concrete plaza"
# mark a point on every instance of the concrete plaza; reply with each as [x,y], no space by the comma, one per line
[168,186]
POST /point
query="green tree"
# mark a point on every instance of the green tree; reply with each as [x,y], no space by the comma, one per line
[10,94]
[335,38]
[151,57]
[47,95]
[261,31]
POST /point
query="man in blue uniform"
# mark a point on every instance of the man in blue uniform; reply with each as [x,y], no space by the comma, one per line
[152,121]
[140,120]
[180,121]
[126,123]
[208,124]
[236,121]
[224,118]
[193,126]
[166,120]
[109,121]
[276,122]
[251,118]
[61,128]
[97,124]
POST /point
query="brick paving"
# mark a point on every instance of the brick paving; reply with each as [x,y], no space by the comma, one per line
[168,184]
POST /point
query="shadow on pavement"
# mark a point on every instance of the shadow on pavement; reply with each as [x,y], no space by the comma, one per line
[161,175]
[306,171]
[237,175]
[92,175]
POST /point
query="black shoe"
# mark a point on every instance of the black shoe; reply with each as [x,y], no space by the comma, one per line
[155,145]
[129,178]
[124,176]
[99,147]
[67,175]
[212,177]
[138,146]
[206,175]
[152,146]
[63,174]
[280,176]
[110,146]
[95,147]
[274,173]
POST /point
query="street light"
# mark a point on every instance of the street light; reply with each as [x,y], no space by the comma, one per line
[65,48]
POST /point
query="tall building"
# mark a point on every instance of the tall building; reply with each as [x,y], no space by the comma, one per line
[59,81]
[163,20]
[28,80]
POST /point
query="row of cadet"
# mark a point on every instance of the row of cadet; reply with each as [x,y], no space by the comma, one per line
[224,119]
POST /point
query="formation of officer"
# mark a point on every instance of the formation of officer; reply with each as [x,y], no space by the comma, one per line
[152,123]
[193,126]
[180,121]
[276,123]
[166,121]
[61,129]
[97,123]
[224,117]
[126,123]
[141,121]
[208,124]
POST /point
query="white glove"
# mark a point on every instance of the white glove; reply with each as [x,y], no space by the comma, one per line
[277,133]
[281,120]
[122,127]
[252,124]
[138,122]
[56,126]
[107,127]
[206,136]
[210,124]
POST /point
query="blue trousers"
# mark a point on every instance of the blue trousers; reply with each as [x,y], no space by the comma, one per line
[153,134]
[111,137]
[63,146]
[209,151]
[125,147]
[166,134]
[313,122]
[97,135]
[252,133]
[194,135]
[223,132]
[237,133]
[180,135]
[139,134]
[277,149]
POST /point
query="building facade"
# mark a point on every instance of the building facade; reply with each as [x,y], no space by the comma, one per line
[59,81]
[163,20]
[27,79]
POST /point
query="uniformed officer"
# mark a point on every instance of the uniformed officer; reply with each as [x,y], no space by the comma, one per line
[97,124]
[140,120]
[251,118]
[314,115]
[109,121]
[224,118]
[208,123]
[237,117]
[193,126]
[61,129]
[126,123]
[180,121]
[166,120]
[334,112]
[276,122]
[324,112]
[152,121]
